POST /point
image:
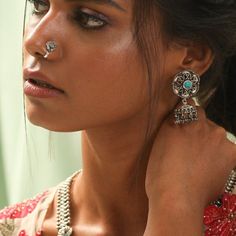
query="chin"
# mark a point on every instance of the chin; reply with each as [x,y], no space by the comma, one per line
[40,115]
[52,126]
[49,122]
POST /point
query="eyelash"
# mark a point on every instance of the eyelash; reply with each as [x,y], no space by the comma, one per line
[78,15]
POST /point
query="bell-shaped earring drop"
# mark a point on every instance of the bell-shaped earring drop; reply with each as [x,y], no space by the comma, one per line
[186,85]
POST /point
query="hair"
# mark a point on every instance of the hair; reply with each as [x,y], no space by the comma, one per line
[208,22]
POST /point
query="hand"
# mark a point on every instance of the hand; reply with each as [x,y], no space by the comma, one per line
[188,167]
[193,160]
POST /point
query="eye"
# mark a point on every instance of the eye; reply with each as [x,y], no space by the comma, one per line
[89,21]
[39,6]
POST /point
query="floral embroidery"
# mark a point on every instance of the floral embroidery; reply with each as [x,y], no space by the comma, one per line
[7,227]
[21,210]
[39,233]
[221,221]
[22,233]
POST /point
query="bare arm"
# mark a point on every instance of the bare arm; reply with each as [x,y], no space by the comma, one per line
[188,168]
[172,215]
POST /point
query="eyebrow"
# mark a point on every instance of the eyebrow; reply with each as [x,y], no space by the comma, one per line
[102,2]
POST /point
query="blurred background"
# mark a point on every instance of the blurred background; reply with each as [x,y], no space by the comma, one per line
[27,166]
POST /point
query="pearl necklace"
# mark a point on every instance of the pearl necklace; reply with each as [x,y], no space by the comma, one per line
[231,183]
[63,203]
[63,207]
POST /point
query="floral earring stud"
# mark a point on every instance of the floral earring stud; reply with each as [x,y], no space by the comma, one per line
[186,84]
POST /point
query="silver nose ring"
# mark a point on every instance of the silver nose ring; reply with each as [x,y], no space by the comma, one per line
[50,47]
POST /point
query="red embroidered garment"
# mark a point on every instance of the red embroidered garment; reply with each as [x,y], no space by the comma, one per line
[221,220]
[21,210]
[26,218]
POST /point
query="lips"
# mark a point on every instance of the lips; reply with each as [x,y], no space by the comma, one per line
[38,79]
[39,86]
[41,83]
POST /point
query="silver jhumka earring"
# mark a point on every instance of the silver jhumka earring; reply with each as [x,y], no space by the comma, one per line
[50,47]
[186,85]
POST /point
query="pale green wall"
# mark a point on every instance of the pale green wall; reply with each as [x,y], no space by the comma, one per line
[21,175]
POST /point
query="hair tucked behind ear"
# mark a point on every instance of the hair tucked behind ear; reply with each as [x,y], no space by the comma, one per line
[209,22]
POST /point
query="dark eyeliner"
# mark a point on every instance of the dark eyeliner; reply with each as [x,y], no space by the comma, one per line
[87,21]
[82,18]
[39,2]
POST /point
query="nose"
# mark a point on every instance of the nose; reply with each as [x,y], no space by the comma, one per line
[41,39]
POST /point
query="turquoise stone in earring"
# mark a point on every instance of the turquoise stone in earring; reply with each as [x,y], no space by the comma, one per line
[188,84]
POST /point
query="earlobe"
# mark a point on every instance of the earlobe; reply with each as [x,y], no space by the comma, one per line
[188,60]
[198,58]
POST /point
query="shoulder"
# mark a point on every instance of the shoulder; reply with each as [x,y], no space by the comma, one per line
[21,210]
[25,216]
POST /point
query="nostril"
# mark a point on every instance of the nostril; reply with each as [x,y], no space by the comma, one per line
[34,47]
[41,50]
[37,54]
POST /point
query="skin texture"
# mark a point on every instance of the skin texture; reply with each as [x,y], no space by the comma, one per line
[105,96]
[193,173]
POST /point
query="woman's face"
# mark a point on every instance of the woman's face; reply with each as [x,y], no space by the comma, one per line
[96,64]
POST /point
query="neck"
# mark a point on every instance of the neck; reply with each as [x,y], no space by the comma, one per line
[108,187]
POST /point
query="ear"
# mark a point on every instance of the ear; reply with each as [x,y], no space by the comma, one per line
[197,57]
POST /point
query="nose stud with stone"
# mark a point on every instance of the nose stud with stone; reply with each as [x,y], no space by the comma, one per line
[50,47]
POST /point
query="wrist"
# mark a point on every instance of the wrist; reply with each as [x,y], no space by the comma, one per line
[175,200]
[181,193]
[171,214]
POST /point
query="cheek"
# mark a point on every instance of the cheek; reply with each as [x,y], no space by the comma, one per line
[108,83]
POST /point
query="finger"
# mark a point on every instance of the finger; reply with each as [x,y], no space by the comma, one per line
[200,110]
[230,148]
[231,137]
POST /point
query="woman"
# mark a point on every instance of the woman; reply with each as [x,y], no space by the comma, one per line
[125,73]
